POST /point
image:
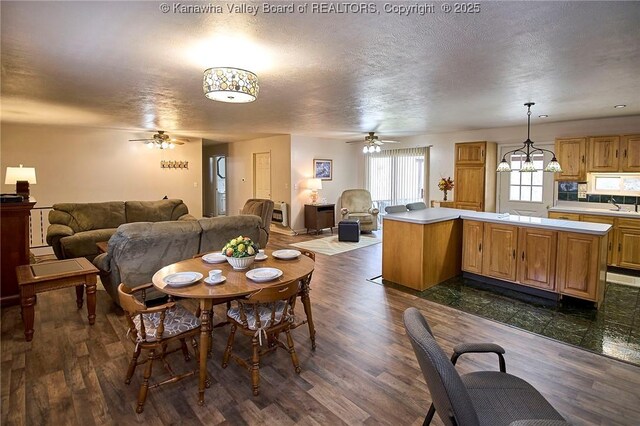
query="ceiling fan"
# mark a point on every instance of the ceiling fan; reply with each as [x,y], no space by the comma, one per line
[160,140]
[372,143]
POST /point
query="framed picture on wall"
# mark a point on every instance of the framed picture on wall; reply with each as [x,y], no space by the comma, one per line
[323,169]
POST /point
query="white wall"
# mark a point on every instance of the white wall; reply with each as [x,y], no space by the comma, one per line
[78,164]
[240,170]
[442,155]
[346,172]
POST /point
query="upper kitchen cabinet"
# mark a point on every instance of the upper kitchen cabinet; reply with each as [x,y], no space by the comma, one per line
[571,153]
[604,154]
[470,153]
[630,147]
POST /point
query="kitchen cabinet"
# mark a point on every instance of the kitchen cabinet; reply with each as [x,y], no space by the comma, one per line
[611,237]
[630,147]
[499,251]
[475,176]
[580,262]
[564,216]
[537,257]
[603,154]
[628,243]
[571,153]
[472,232]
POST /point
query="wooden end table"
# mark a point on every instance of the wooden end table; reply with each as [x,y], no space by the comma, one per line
[54,275]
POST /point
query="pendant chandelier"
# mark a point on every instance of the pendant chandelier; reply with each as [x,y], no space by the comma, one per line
[528,150]
[232,85]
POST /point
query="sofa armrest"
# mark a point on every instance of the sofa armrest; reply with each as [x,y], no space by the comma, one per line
[102,262]
[374,211]
[57,231]
[187,217]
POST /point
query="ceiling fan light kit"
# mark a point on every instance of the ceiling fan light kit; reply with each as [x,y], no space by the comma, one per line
[231,85]
[372,143]
[528,150]
[159,140]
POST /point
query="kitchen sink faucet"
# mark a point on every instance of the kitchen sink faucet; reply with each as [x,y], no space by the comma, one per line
[613,201]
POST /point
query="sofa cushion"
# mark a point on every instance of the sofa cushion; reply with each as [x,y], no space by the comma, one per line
[88,216]
[217,231]
[154,211]
[83,244]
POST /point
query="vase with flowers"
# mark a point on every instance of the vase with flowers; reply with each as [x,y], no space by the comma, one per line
[445,184]
[240,252]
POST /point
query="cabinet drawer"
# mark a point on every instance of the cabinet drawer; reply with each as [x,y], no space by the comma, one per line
[564,216]
[628,223]
[598,219]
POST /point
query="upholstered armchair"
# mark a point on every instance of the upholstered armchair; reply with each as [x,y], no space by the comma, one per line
[264,210]
[357,204]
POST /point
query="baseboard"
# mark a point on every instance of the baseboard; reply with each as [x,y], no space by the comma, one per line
[629,280]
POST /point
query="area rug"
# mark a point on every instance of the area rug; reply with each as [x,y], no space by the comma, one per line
[331,245]
[613,330]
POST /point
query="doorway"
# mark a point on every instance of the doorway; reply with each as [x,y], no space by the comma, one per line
[527,193]
[262,175]
[216,192]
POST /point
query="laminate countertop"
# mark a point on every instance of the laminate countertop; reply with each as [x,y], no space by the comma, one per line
[434,215]
[596,211]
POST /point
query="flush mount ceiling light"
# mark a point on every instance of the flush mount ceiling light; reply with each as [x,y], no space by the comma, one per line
[231,85]
[528,150]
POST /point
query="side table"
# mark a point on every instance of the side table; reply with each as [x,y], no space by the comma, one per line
[319,216]
[54,275]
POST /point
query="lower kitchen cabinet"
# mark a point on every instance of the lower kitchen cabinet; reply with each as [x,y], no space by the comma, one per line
[581,265]
[537,257]
[499,256]
[628,250]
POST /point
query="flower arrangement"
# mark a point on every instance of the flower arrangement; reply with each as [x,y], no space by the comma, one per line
[240,247]
[445,184]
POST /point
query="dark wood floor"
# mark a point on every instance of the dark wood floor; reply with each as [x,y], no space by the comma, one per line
[363,372]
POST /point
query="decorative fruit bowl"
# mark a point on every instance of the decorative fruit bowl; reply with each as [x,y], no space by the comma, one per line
[240,263]
[240,252]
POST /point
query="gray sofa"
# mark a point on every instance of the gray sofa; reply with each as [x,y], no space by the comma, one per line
[77,227]
[137,250]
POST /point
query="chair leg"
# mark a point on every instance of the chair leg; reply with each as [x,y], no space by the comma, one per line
[292,352]
[227,351]
[255,367]
[144,388]
[132,365]
[430,414]
[185,350]
[306,303]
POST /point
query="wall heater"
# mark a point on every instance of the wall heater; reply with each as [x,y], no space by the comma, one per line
[280,215]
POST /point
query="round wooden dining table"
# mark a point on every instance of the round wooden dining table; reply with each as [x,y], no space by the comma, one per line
[236,285]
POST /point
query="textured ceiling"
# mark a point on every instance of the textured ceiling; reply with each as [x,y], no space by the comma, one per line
[128,65]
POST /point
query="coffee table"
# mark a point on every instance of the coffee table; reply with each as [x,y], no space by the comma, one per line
[54,275]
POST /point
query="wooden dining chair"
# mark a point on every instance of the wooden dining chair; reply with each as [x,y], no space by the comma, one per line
[262,317]
[154,329]
[303,292]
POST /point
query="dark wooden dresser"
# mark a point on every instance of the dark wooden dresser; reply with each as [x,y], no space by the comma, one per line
[319,217]
[14,248]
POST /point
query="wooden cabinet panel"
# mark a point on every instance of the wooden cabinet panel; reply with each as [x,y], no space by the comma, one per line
[477,207]
[628,241]
[319,216]
[577,265]
[14,248]
[624,222]
[499,251]
[564,216]
[610,237]
[537,258]
[603,154]
[472,246]
[630,147]
[571,155]
[470,153]
[469,184]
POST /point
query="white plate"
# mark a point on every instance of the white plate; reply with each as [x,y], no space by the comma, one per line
[181,279]
[220,281]
[260,257]
[286,254]
[214,258]
[261,275]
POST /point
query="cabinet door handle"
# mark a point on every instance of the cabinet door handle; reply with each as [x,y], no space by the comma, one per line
[616,153]
[480,247]
[583,158]
[514,253]
[523,256]
[625,153]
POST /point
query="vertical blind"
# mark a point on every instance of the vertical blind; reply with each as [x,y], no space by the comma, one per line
[397,176]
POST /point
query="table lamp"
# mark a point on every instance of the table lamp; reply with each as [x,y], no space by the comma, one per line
[314,185]
[22,177]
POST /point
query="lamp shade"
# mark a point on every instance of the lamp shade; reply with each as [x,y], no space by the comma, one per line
[314,184]
[232,85]
[15,174]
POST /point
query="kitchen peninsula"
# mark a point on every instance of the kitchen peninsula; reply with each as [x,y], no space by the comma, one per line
[549,257]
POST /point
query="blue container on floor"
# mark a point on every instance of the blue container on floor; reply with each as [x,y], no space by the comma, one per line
[349,230]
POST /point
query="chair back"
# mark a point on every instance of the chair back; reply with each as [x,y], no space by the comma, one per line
[416,206]
[128,301]
[311,255]
[396,209]
[450,397]
[273,305]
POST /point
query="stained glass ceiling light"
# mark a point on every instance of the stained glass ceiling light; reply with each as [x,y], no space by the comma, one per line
[528,150]
[232,85]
